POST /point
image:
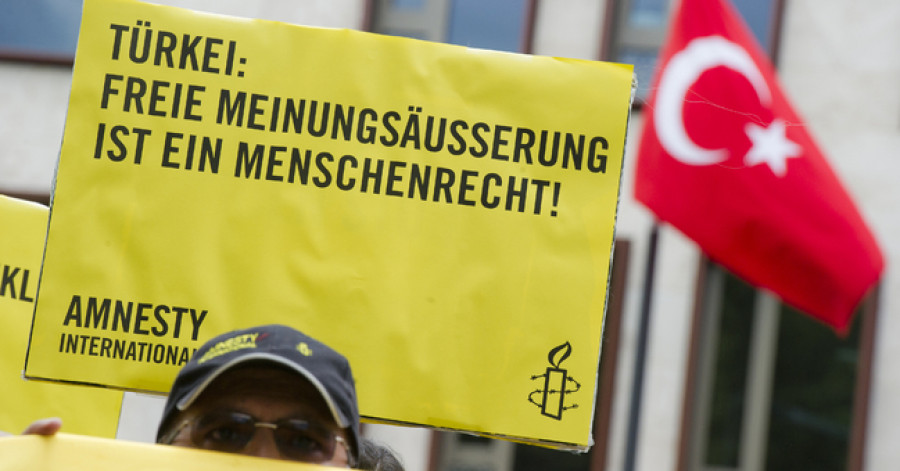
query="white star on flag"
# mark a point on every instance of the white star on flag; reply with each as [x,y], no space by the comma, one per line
[771,146]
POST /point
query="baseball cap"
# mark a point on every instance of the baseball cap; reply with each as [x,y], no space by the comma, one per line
[326,369]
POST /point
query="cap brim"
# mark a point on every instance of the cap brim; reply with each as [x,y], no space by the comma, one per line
[189,399]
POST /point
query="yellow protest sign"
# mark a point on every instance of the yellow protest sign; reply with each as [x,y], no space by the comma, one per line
[64,451]
[443,216]
[92,411]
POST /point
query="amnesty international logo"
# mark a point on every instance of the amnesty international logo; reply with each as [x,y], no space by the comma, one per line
[557,384]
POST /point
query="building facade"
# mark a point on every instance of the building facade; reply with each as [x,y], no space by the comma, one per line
[732,380]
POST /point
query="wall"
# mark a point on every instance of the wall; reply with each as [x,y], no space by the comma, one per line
[32,114]
[839,63]
[841,66]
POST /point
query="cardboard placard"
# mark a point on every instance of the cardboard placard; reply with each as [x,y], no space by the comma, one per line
[443,216]
[65,451]
[84,410]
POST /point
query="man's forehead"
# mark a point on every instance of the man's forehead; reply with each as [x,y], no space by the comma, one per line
[252,385]
[261,371]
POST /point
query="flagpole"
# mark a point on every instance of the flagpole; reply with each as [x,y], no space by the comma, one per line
[637,386]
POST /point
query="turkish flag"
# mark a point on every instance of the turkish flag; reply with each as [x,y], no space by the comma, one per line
[725,159]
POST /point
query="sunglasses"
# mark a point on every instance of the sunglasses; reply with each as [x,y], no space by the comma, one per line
[231,432]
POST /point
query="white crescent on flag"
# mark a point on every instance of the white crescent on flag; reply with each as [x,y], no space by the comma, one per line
[682,71]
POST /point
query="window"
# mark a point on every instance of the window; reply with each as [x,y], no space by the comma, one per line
[772,388]
[499,24]
[39,30]
[639,28]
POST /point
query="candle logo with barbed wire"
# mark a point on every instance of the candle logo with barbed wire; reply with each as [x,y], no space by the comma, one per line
[557,384]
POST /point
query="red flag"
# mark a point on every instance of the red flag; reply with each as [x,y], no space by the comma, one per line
[725,159]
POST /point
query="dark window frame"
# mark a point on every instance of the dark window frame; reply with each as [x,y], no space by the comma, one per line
[13,53]
[614,15]
[860,408]
[526,40]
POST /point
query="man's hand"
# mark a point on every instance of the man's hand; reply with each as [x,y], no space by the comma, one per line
[44,427]
[47,426]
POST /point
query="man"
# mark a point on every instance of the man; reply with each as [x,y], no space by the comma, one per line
[268,391]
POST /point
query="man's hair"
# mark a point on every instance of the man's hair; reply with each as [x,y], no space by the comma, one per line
[377,457]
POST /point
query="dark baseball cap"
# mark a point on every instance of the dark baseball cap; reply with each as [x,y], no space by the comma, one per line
[326,369]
